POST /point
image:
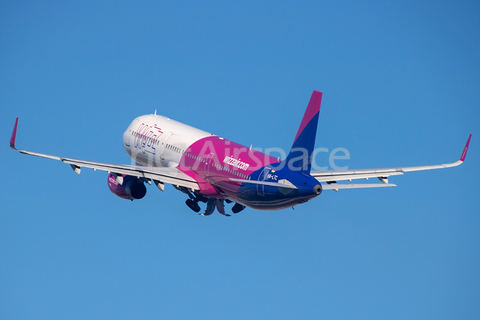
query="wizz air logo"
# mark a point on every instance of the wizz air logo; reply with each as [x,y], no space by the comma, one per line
[236,163]
[146,137]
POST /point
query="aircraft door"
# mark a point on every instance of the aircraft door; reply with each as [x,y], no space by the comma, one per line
[263,175]
[208,164]
[163,146]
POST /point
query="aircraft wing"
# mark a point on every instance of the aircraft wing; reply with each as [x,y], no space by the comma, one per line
[332,176]
[164,174]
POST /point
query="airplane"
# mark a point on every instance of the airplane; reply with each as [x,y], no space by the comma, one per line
[213,170]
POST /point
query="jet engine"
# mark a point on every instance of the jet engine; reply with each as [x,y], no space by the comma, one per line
[126,187]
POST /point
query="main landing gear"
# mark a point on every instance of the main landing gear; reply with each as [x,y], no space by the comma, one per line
[193,200]
[220,205]
[212,203]
[193,205]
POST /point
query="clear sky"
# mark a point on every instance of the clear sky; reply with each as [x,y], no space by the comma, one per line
[401,87]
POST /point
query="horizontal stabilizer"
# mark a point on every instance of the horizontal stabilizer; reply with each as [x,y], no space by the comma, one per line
[266,183]
[337,186]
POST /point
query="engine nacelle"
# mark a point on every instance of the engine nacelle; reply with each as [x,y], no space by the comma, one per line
[131,188]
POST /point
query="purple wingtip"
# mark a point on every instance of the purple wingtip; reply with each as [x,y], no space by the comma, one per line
[464,153]
[14,135]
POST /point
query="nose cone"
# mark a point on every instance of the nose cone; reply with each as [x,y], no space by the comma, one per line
[127,141]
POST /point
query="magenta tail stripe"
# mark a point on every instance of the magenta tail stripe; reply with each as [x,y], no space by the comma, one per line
[312,109]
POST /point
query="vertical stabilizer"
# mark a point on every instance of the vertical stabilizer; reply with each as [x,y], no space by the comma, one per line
[300,156]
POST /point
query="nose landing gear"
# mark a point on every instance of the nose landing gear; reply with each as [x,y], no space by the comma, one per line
[211,203]
[221,207]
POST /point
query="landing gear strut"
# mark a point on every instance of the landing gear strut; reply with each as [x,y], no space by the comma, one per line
[212,203]
[192,203]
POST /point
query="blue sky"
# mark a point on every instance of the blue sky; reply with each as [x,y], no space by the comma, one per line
[401,87]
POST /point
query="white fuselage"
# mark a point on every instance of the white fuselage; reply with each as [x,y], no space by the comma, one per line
[157,141]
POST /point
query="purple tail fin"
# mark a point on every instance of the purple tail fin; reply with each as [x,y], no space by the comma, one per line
[300,156]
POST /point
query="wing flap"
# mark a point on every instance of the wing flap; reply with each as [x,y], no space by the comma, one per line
[165,174]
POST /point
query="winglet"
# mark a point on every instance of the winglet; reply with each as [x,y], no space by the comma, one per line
[464,153]
[14,135]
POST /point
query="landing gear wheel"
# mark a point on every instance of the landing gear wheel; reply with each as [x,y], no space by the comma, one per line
[237,208]
[193,205]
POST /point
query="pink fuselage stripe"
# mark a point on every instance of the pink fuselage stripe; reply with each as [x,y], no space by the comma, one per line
[214,160]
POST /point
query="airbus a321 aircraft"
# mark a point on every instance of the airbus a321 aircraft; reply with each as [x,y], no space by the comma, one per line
[214,170]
